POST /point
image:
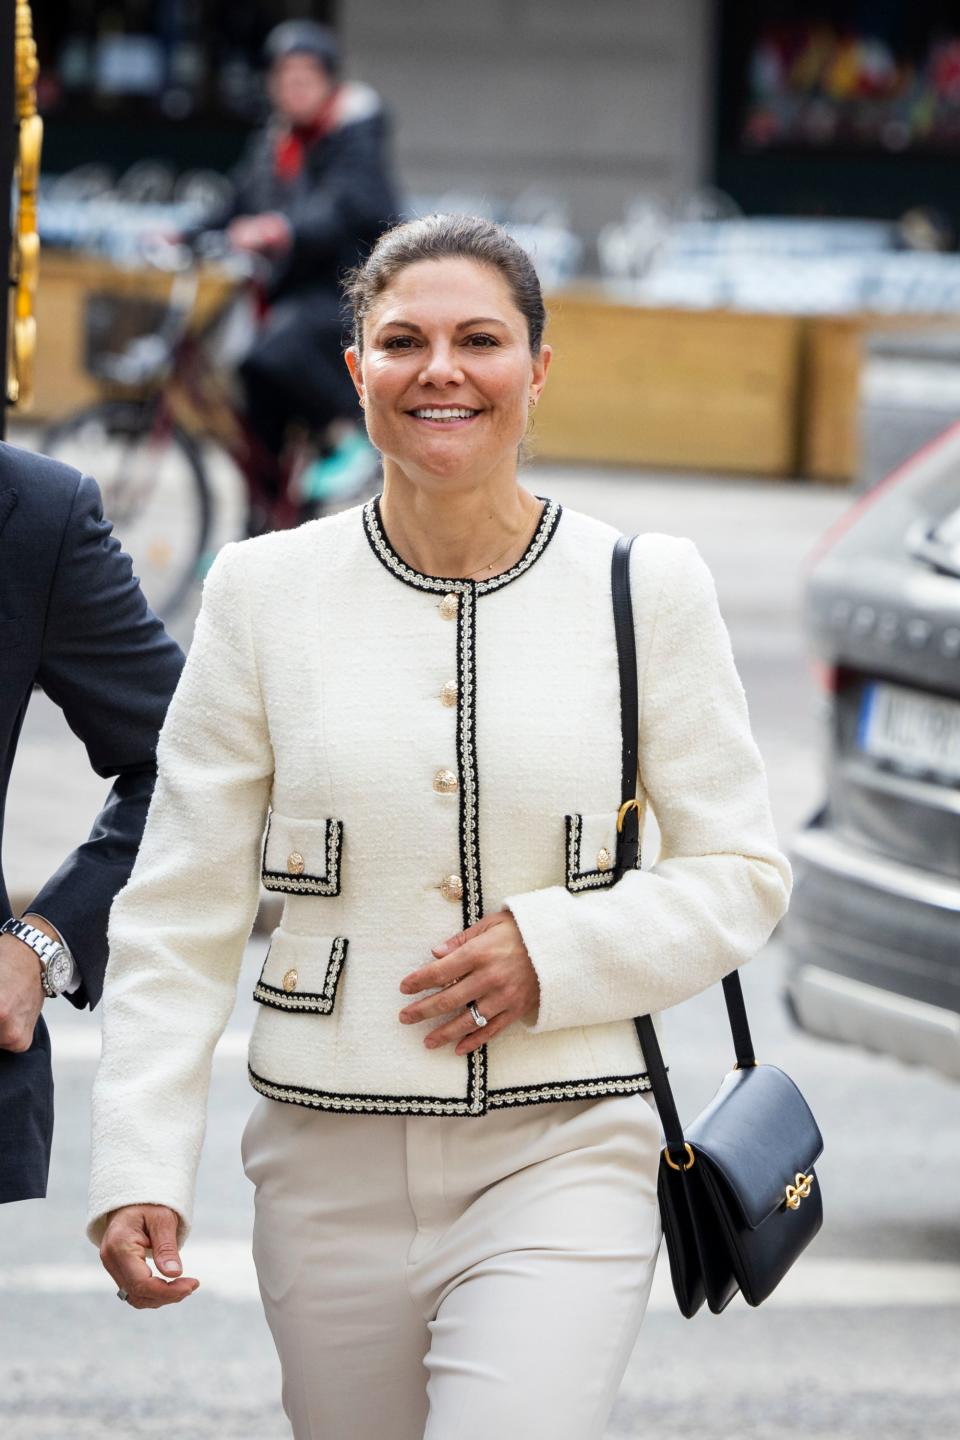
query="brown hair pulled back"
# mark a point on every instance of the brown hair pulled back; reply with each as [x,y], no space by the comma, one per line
[441,237]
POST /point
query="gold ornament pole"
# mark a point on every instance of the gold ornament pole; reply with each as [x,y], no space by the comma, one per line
[25,254]
[9,134]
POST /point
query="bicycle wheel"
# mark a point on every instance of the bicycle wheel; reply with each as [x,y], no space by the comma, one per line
[154,485]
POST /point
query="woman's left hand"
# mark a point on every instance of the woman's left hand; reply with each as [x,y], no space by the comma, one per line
[487,964]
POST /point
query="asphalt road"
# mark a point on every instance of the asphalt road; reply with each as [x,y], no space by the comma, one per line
[862,1339]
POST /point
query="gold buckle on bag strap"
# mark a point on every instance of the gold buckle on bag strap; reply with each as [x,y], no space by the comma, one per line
[673,1164]
[621,813]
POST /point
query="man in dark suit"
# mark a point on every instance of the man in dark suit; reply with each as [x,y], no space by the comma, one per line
[74,621]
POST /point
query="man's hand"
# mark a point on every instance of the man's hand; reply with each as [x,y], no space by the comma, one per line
[21,992]
[132,1232]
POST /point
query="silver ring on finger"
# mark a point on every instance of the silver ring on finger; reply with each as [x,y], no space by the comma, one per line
[478,1019]
[123,1294]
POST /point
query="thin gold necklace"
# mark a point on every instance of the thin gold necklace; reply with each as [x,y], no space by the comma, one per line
[473,575]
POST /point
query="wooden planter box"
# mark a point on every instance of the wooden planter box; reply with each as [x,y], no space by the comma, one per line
[662,388]
[694,389]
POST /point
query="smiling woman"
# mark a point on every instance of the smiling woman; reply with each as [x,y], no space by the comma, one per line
[455,1151]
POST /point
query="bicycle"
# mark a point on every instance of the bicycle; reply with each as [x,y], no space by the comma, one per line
[168,408]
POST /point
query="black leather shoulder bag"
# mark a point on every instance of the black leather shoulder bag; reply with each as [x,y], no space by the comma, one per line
[739,1198]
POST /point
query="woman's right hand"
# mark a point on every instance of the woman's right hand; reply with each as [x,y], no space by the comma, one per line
[132,1232]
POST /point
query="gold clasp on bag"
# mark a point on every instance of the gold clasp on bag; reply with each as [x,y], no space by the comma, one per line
[799,1190]
[673,1164]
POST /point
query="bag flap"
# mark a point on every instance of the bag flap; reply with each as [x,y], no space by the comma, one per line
[758,1131]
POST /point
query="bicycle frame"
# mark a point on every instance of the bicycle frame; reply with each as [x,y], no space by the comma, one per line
[194,394]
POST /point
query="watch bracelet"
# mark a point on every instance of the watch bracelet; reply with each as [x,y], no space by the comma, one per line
[39,942]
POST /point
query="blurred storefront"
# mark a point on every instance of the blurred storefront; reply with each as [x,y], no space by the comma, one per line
[839,107]
[177,80]
[792,107]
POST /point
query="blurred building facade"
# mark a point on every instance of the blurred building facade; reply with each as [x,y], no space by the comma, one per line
[590,104]
[792,107]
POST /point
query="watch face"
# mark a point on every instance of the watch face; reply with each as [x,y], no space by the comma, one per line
[58,971]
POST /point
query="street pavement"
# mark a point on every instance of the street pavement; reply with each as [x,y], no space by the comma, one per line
[861,1340]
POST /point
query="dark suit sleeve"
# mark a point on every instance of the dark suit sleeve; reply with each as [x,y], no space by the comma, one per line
[111,667]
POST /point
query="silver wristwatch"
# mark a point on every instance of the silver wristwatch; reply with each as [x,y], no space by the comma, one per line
[56,962]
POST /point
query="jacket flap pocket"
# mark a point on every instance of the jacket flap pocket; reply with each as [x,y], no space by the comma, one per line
[591,850]
[302,972]
[302,857]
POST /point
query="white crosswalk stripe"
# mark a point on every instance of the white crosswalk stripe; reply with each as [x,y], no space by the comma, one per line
[225,1269]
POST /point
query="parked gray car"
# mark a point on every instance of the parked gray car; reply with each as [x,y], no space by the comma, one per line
[873,931]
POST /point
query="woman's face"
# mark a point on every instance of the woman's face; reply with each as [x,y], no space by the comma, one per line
[446,374]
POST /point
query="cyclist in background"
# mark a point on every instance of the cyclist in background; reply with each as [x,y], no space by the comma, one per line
[312,193]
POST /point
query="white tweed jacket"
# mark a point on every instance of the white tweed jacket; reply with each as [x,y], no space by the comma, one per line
[398,755]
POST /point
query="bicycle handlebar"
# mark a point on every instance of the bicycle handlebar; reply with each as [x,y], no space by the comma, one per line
[176,256]
[148,357]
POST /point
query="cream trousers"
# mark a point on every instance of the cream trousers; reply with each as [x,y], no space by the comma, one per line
[454,1278]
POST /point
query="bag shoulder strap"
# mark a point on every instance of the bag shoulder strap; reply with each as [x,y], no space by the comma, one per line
[628,850]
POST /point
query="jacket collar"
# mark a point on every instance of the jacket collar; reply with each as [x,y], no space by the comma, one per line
[385,553]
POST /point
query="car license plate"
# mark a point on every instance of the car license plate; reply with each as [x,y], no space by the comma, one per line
[915,732]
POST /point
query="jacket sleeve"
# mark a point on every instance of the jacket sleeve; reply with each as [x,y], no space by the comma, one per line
[352,204]
[178,929]
[107,661]
[720,883]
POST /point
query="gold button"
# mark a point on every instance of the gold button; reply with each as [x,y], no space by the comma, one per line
[449,606]
[295,863]
[451,887]
[604,859]
[290,981]
[445,781]
[449,693]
